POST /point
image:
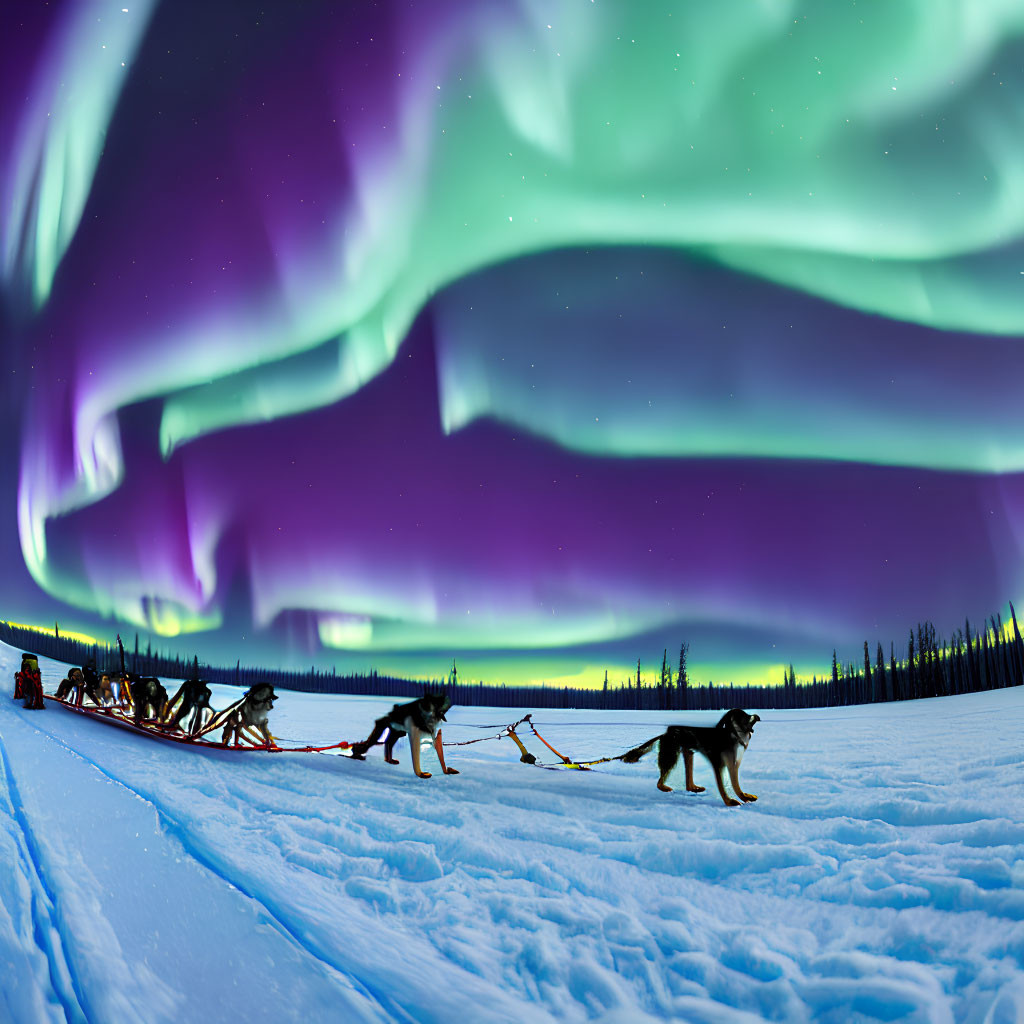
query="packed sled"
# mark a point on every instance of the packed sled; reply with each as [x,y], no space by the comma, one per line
[141,704]
[243,724]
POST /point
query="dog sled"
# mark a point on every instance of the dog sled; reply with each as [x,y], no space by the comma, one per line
[141,705]
[122,717]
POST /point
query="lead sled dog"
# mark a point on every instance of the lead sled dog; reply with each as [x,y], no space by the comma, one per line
[723,745]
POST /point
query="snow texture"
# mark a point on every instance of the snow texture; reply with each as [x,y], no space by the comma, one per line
[880,876]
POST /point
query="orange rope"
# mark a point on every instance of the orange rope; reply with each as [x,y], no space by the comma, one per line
[526,757]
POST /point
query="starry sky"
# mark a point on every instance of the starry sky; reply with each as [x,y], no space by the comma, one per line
[544,336]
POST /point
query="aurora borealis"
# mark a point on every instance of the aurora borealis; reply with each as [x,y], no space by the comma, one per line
[541,335]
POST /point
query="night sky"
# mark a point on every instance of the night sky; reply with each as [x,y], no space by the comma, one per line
[544,336]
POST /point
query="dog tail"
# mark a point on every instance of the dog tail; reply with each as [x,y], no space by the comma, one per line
[634,755]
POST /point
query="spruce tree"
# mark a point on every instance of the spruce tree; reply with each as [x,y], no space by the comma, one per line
[1005,671]
[973,672]
[911,673]
[869,689]
[682,696]
[1018,645]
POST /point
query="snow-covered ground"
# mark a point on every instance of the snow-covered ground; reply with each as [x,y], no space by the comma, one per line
[879,876]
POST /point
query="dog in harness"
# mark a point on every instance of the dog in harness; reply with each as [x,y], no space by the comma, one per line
[148,698]
[416,719]
[723,745]
[193,702]
[252,713]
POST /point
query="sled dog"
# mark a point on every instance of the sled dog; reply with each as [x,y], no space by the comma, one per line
[723,745]
[104,693]
[415,719]
[194,696]
[69,683]
[148,695]
[252,713]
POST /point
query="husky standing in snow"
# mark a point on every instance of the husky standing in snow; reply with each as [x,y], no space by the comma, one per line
[252,712]
[723,745]
[415,719]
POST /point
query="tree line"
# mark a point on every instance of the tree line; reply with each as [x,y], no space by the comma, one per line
[983,658]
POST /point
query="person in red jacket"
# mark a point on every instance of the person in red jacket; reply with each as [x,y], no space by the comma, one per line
[28,683]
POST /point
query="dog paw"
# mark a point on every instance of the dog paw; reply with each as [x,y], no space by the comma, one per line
[423,775]
[392,760]
[451,771]
[695,789]
[732,803]
[749,796]
[664,788]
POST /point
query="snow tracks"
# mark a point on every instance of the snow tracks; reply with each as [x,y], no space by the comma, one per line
[879,877]
[108,916]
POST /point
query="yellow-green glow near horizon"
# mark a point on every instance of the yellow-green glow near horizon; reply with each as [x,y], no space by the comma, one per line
[82,638]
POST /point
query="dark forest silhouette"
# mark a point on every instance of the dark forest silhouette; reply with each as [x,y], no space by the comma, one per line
[982,658]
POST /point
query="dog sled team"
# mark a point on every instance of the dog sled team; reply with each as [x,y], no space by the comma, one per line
[188,711]
[145,700]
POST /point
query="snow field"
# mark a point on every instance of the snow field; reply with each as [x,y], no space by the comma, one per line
[880,876]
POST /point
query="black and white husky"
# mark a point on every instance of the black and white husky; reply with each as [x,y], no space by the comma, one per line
[723,745]
[416,719]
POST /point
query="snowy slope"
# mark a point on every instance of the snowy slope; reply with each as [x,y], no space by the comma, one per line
[879,876]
